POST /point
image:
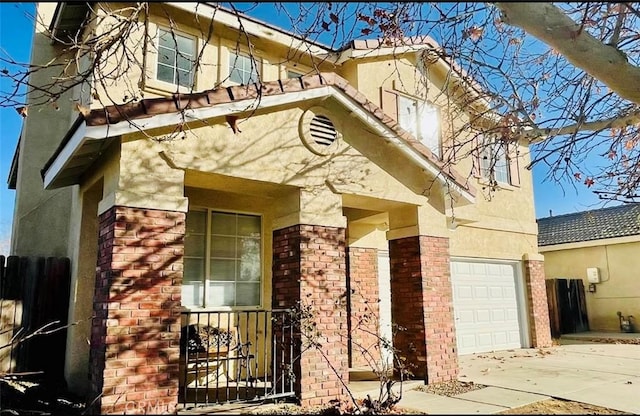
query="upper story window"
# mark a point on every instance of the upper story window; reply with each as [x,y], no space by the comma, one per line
[222,260]
[176,58]
[242,69]
[494,163]
[497,160]
[422,120]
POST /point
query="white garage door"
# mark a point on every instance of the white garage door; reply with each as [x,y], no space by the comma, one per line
[485,306]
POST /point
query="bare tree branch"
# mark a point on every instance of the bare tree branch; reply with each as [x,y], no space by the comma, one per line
[602,61]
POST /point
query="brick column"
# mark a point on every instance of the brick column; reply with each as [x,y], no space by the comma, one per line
[422,302]
[309,268]
[540,329]
[364,307]
[135,332]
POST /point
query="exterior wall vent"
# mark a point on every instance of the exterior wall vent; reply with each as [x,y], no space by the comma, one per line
[319,132]
[322,130]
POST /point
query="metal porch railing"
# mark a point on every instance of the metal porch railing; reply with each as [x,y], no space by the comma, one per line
[236,356]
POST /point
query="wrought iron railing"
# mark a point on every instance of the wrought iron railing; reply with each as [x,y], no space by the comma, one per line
[236,356]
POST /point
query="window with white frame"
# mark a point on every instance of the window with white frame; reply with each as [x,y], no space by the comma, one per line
[242,69]
[493,161]
[422,120]
[176,58]
[222,259]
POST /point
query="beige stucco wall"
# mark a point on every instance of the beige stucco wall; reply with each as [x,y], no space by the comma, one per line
[215,42]
[149,170]
[619,289]
[499,224]
[40,227]
[507,214]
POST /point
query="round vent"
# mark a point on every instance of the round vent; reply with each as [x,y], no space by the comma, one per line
[322,130]
[318,131]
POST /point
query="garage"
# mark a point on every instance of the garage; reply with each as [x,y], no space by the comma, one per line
[485,302]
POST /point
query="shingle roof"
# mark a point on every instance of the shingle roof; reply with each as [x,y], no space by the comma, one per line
[618,221]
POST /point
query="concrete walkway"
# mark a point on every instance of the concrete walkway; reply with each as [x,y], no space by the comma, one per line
[605,375]
[484,401]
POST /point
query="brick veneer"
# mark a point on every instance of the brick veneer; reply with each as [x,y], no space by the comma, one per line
[537,303]
[135,332]
[309,267]
[364,307]
[421,302]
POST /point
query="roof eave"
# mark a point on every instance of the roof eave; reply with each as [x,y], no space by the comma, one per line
[68,19]
[206,106]
[255,27]
[12,179]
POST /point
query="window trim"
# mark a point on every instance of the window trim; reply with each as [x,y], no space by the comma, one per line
[170,85]
[242,52]
[207,264]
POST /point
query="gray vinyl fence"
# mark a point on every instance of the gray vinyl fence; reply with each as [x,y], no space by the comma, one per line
[34,300]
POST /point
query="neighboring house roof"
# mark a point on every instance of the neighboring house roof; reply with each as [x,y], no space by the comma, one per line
[618,221]
[81,146]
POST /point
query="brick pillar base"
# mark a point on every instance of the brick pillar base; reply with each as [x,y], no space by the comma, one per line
[135,332]
[309,269]
[540,330]
[422,302]
[364,307]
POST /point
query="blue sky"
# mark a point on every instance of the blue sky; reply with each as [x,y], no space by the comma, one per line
[16,30]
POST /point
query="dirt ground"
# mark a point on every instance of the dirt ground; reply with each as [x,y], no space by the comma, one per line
[561,407]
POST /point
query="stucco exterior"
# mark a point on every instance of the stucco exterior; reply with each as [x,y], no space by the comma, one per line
[34,205]
[365,186]
[618,263]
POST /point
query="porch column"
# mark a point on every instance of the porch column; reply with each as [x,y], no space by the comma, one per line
[538,309]
[422,302]
[309,269]
[135,332]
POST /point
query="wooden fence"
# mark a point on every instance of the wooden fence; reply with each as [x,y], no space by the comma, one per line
[34,300]
[567,306]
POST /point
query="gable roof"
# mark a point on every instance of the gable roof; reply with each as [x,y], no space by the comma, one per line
[89,134]
[618,221]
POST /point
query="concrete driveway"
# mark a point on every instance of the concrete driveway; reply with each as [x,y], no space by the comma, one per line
[606,375]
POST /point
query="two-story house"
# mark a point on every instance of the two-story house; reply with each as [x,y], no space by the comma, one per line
[335,182]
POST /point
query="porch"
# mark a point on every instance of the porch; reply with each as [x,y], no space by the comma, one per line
[242,357]
[236,356]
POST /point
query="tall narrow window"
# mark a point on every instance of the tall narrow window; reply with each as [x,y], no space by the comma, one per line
[222,265]
[422,120]
[493,162]
[176,58]
[242,69]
